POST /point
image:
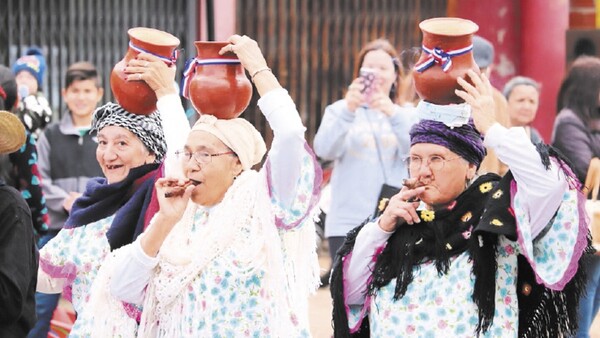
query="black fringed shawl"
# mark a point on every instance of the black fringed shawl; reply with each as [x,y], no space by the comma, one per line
[480,214]
[130,200]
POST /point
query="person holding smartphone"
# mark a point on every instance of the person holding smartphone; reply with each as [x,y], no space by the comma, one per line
[366,135]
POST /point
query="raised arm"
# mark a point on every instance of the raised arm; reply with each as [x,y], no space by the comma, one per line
[542,189]
[289,149]
[161,78]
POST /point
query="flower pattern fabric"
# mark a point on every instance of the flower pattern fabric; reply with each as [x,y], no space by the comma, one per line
[76,255]
[441,305]
[231,296]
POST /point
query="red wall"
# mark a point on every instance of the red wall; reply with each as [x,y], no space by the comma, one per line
[529,38]
[224,11]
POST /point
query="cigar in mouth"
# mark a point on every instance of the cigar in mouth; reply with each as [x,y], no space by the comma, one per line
[178,190]
[412,183]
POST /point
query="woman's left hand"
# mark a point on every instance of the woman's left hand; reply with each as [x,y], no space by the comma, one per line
[155,72]
[382,102]
[480,98]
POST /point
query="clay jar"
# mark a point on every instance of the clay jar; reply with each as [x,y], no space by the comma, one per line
[136,96]
[448,34]
[220,86]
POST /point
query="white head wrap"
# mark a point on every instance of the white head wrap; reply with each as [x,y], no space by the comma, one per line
[238,134]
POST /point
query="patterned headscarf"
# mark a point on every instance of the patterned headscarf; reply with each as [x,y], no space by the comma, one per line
[237,134]
[464,140]
[147,128]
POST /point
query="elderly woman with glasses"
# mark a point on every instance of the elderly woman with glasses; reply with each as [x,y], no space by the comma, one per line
[231,251]
[458,255]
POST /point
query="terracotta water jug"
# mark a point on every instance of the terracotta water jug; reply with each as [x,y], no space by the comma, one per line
[447,54]
[217,84]
[136,96]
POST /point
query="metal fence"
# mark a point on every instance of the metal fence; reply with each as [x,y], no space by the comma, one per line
[311,45]
[90,30]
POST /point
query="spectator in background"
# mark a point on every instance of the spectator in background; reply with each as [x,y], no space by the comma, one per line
[523,97]
[18,255]
[483,53]
[33,108]
[19,169]
[67,160]
[577,135]
[366,134]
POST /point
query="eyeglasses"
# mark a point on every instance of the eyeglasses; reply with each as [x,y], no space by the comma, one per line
[435,163]
[201,157]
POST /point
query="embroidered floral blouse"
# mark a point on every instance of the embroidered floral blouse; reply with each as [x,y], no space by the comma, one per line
[436,305]
[228,285]
[71,260]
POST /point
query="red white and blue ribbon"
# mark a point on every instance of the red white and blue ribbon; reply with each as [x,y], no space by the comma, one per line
[441,57]
[168,60]
[190,69]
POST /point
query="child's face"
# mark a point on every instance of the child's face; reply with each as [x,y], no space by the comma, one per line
[25,78]
[82,97]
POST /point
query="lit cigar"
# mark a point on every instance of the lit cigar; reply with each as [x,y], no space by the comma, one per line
[412,183]
[178,189]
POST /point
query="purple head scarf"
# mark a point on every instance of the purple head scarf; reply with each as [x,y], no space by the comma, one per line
[464,140]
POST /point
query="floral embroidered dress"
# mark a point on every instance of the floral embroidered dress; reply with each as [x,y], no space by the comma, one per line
[549,234]
[72,260]
[442,304]
[243,268]
[76,254]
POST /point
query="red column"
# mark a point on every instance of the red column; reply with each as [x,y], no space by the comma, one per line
[529,37]
[543,53]
[225,24]
[224,19]
[498,23]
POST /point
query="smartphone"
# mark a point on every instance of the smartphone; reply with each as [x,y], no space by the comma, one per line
[368,78]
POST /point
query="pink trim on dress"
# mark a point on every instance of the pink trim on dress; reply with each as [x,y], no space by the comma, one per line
[132,311]
[367,301]
[68,272]
[315,193]
[578,250]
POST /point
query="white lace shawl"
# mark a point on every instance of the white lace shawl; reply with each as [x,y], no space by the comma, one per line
[292,266]
[103,315]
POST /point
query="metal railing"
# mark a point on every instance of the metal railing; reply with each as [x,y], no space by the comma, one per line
[311,45]
[87,30]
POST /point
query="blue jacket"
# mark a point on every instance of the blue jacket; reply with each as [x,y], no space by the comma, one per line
[351,140]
